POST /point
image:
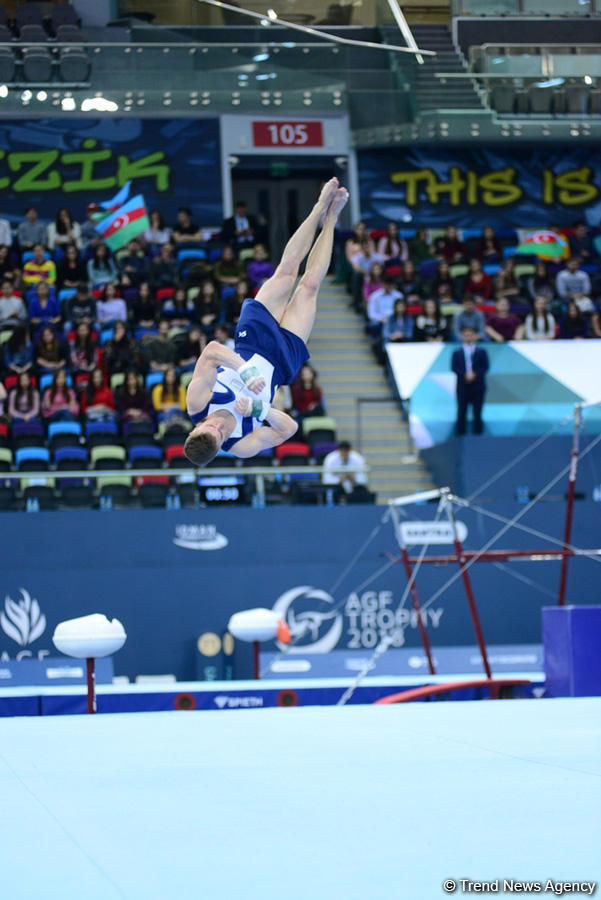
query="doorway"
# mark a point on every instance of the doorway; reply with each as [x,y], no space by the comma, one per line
[280,201]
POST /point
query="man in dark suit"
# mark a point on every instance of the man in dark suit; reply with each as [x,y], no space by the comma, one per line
[470,365]
[240,230]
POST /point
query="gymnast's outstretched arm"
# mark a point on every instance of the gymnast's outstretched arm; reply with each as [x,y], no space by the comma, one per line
[205,373]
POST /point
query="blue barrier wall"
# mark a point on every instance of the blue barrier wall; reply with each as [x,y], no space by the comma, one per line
[172,576]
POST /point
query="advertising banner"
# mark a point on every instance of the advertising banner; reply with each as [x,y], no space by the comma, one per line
[51,163]
[503,186]
[174,578]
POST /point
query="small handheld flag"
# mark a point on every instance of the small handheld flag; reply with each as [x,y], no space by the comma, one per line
[124,223]
[546,244]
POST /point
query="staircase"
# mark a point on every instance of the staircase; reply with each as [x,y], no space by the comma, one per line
[347,369]
[431,92]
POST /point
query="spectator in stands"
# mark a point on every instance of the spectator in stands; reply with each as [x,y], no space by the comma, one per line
[97,401]
[59,402]
[479,282]
[101,269]
[6,237]
[443,286]
[398,327]
[30,232]
[344,456]
[50,355]
[391,247]
[12,308]
[430,325]
[419,249]
[89,235]
[227,270]
[38,268]
[132,399]
[506,284]
[259,268]
[361,264]
[282,399]
[159,350]
[240,230]
[381,305]
[164,271]
[190,350]
[541,282]
[8,265]
[186,231]
[489,249]
[157,234]
[470,365]
[83,350]
[43,307]
[595,325]
[373,282]
[307,395]
[572,283]
[110,308]
[179,309]
[207,307]
[503,325]
[134,266]
[81,307]
[409,283]
[451,248]
[352,247]
[234,304]
[469,317]
[63,231]
[144,307]
[3,404]
[169,397]
[223,336]
[18,351]
[581,244]
[71,271]
[540,324]
[573,324]
[24,400]
[119,354]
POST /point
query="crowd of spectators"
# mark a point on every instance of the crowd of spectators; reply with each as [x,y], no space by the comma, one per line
[88,334]
[426,285]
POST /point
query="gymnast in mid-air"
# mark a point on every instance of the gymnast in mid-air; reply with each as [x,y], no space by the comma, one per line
[229,396]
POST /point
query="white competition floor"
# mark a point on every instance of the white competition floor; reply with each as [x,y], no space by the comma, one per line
[308,803]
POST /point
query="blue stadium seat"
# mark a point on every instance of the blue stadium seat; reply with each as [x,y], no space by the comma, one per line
[64,428]
[146,456]
[46,381]
[33,458]
[71,458]
[105,335]
[28,254]
[153,378]
[66,294]
[191,253]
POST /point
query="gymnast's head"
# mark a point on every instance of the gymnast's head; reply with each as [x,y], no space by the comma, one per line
[206,439]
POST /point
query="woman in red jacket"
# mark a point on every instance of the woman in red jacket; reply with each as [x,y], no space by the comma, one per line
[306,393]
[97,401]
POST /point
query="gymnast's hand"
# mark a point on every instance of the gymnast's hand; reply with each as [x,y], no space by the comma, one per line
[244,406]
[251,377]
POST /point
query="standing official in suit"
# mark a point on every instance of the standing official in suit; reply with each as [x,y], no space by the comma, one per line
[240,230]
[470,364]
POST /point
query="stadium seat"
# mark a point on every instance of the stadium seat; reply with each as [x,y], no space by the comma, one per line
[101,433]
[292,454]
[27,434]
[8,63]
[8,498]
[108,456]
[33,459]
[191,253]
[320,450]
[105,335]
[77,496]
[139,427]
[4,439]
[522,269]
[63,14]
[71,458]
[146,457]
[153,495]
[176,459]
[187,493]
[66,294]
[223,460]
[46,381]
[138,439]
[502,97]
[74,64]
[153,378]
[116,488]
[42,494]
[64,434]
[69,33]
[6,459]
[186,378]
[37,64]
[458,269]
[117,380]
[317,429]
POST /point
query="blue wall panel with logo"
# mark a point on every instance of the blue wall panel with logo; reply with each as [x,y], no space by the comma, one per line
[171,576]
